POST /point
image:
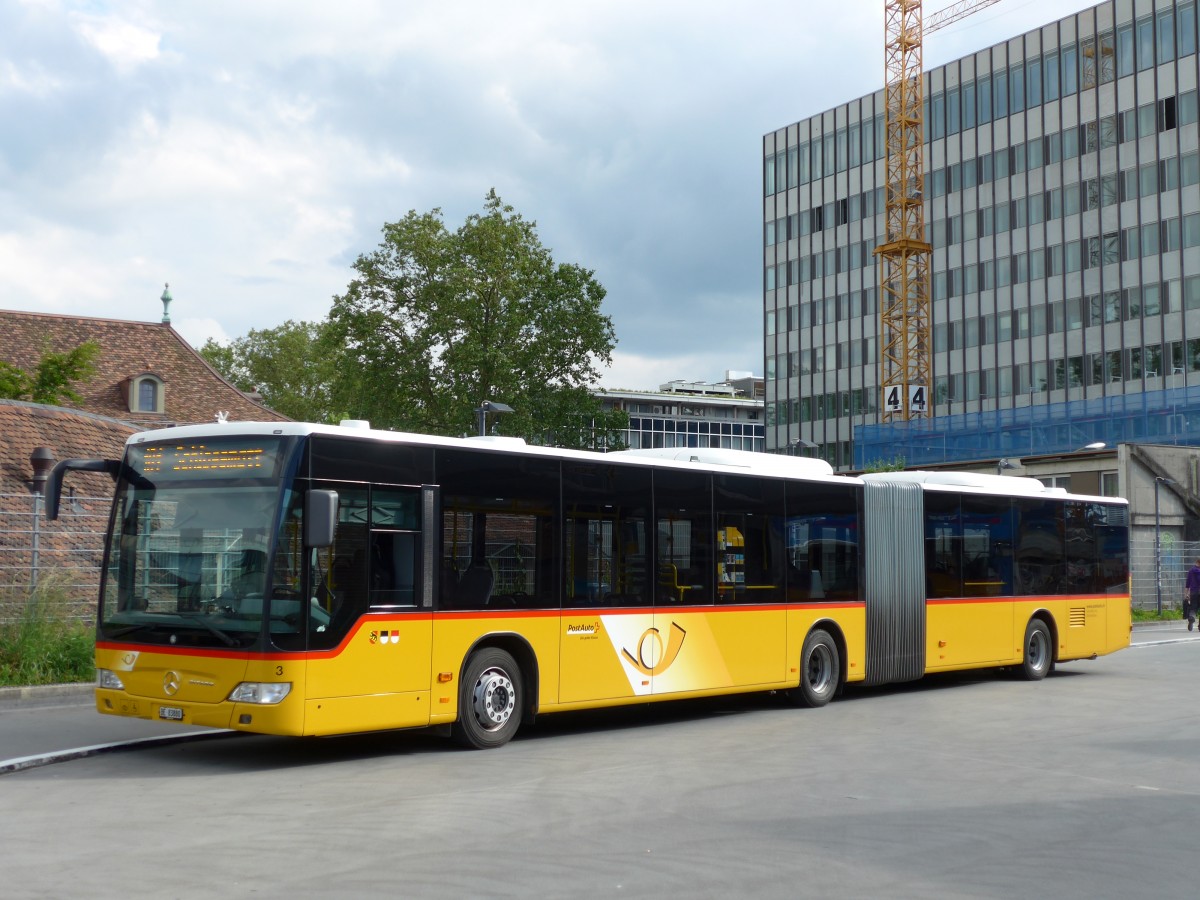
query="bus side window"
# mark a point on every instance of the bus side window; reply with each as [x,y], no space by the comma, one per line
[750,540]
[987,543]
[822,542]
[943,545]
[684,537]
[395,562]
[606,511]
[394,557]
[343,594]
[498,530]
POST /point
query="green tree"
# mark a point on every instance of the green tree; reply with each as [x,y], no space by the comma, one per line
[51,381]
[435,322]
[293,367]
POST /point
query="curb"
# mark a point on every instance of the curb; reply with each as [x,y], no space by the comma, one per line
[21,763]
[41,695]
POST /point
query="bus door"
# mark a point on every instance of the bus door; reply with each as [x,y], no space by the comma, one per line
[969,561]
[371,637]
[719,619]
[607,611]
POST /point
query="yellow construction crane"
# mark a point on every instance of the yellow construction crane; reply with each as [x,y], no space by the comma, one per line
[905,374]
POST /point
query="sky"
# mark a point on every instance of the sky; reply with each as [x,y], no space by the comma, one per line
[247,153]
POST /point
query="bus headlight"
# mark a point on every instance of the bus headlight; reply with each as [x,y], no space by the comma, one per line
[106,678]
[264,693]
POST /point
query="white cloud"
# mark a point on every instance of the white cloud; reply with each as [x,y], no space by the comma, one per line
[50,268]
[31,79]
[198,331]
[124,44]
[248,152]
[633,371]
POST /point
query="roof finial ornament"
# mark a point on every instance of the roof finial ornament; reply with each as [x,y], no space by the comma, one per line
[166,302]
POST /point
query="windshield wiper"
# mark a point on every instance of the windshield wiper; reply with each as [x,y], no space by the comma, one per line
[221,635]
[112,633]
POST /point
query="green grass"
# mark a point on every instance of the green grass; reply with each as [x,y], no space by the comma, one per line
[44,648]
[1150,615]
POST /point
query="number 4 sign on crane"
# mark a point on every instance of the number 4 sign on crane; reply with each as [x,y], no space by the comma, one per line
[917,394]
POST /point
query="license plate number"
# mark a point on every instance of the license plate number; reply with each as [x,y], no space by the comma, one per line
[170,712]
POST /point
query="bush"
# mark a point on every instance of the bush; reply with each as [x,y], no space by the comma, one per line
[42,647]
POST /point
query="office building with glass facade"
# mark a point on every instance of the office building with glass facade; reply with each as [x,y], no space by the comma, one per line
[727,414]
[1062,186]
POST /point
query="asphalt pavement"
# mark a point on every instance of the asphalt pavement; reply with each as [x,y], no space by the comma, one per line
[54,723]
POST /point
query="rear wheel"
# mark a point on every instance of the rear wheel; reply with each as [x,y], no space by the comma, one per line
[820,671]
[490,700]
[1039,651]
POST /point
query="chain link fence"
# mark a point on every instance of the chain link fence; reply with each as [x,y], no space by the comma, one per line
[65,555]
[1168,558]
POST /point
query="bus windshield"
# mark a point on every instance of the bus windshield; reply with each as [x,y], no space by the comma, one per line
[190,543]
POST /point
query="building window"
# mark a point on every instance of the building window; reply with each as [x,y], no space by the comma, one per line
[147,399]
[146,394]
[1110,485]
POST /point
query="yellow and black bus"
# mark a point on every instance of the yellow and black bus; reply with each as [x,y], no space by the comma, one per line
[312,580]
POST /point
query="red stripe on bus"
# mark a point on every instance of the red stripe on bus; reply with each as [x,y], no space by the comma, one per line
[1024,598]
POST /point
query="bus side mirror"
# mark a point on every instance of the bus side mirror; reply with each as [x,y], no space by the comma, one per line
[55,480]
[320,518]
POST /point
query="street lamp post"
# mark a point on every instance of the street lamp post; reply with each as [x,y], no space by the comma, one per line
[42,460]
[489,406]
[1158,480]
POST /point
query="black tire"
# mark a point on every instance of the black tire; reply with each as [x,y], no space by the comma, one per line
[820,671]
[491,700]
[1038,661]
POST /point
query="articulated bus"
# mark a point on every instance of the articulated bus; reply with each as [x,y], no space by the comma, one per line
[302,579]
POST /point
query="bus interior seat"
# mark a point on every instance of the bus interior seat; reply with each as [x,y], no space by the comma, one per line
[668,578]
[474,588]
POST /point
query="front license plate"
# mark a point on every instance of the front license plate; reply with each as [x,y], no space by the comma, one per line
[170,712]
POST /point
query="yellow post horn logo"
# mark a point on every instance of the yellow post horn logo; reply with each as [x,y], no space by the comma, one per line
[650,659]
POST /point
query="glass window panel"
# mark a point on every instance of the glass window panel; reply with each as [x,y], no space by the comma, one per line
[987,545]
[1145,43]
[822,541]
[1186,28]
[751,530]
[1000,94]
[1166,36]
[1050,72]
[1124,50]
[1016,88]
[983,100]
[1038,551]
[1070,69]
[1033,82]
[684,561]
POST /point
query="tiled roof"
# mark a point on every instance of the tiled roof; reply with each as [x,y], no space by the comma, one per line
[71,434]
[71,548]
[193,392]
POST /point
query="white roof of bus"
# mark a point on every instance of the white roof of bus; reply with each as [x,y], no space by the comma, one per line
[974,482]
[710,458]
[714,459]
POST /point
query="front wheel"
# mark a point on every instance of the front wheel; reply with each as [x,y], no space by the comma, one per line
[1039,651]
[820,671]
[490,700]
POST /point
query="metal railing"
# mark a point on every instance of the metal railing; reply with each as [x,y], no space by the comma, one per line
[1171,563]
[66,553]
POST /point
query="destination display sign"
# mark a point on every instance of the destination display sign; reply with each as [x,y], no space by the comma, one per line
[208,459]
